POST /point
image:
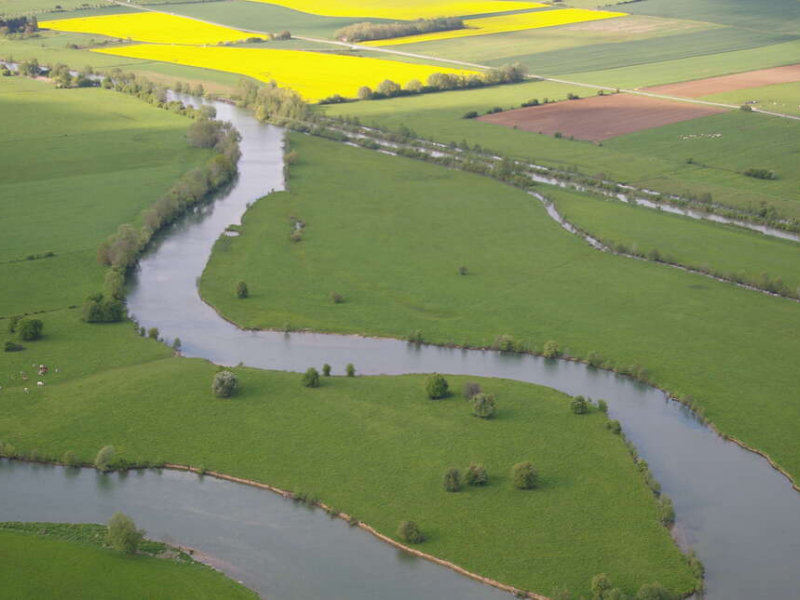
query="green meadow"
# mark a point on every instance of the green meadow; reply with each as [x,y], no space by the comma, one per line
[782,98]
[409,226]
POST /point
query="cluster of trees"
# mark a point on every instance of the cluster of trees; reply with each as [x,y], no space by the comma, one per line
[760,173]
[438,82]
[18,26]
[99,308]
[61,74]
[362,32]
[475,476]
[26,329]
[30,68]
[272,103]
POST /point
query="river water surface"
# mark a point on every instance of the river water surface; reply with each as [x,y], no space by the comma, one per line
[740,515]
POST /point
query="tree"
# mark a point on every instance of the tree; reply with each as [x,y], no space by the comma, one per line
[600,586]
[225,384]
[364,93]
[350,369]
[476,475]
[414,86]
[152,333]
[311,378]
[105,458]
[436,386]
[614,426]
[241,290]
[524,476]
[653,591]
[122,533]
[326,370]
[409,532]
[483,406]
[29,330]
[602,406]
[452,480]
[551,350]
[579,406]
[471,389]
[388,88]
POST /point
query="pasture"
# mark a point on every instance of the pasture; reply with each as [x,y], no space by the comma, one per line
[730,83]
[600,117]
[783,98]
[527,278]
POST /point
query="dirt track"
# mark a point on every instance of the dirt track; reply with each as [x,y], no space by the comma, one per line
[600,117]
[729,83]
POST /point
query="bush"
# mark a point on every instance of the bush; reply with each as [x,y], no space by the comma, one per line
[336,298]
[104,460]
[364,93]
[483,406]
[225,384]
[504,343]
[452,480]
[602,406]
[152,333]
[409,532]
[579,406]
[653,591]
[98,309]
[12,347]
[595,360]
[436,386]
[326,370]
[600,586]
[29,330]
[473,114]
[551,350]
[70,459]
[760,173]
[13,322]
[350,369]
[415,337]
[614,426]
[123,535]
[476,475]
[241,290]
[471,389]
[524,476]
[463,271]
[666,510]
[311,378]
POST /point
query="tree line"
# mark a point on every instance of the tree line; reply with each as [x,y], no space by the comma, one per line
[363,32]
[18,25]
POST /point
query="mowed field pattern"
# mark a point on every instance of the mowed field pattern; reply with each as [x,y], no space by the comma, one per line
[601,117]
[313,75]
[151,27]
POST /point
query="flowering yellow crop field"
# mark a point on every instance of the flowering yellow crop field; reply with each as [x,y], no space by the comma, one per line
[402,9]
[311,74]
[155,28]
[507,23]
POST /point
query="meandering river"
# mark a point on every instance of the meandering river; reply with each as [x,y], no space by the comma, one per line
[739,514]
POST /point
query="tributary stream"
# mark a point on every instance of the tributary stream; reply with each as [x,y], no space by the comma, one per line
[740,515]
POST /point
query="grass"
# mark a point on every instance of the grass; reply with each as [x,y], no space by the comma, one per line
[782,98]
[654,157]
[26,7]
[64,563]
[77,163]
[730,348]
[377,448]
[726,249]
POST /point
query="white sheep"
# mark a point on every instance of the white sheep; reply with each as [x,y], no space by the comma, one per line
[40,383]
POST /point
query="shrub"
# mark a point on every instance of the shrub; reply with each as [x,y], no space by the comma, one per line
[29,330]
[364,93]
[476,475]
[595,360]
[504,343]
[13,322]
[241,290]
[494,111]
[571,96]
[579,406]
[614,426]
[602,406]
[336,298]
[123,535]
[12,347]
[483,406]
[152,333]
[666,510]
[463,271]
[104,460]
[524,476]
[415,337]
[326,370]
[471,389]
[653,591]
[350,369]
[225,384]
[600,586]
[311,378]
[436,386]
[760,173]
[409,532]
[746,108]
[551,350]
[473,114]
[70,459]
[452,480]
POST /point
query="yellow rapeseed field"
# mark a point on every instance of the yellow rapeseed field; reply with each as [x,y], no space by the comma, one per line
[154,28]
[507,23]
[312,74]
[402,9]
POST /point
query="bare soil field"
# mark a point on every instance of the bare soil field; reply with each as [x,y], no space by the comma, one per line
[730,83]
[600,117]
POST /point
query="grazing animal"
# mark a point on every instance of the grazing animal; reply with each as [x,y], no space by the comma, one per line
[40,383]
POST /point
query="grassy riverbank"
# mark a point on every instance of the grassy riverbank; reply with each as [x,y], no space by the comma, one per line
[389,235]
[49,560]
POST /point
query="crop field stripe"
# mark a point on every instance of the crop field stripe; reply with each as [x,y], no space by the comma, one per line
[729,83]
[507,23]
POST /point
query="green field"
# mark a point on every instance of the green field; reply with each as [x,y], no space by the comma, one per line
[47,566]
[698,244]
[528,278]
[782,98]
[77,163]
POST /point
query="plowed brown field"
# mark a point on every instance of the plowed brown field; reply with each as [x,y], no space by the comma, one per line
[729,83]
[600,117]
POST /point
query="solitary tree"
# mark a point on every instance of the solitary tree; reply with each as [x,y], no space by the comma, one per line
[122,533]
[29,329]
[436,386]
[551,349]
[476,475]
[524,476]
[152,333]
[241,290]
[579,405]
[350,369]
[105,458]
[409,532]
[452,480]
[225,384]
[311,378]
[483,406]
[326,370]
